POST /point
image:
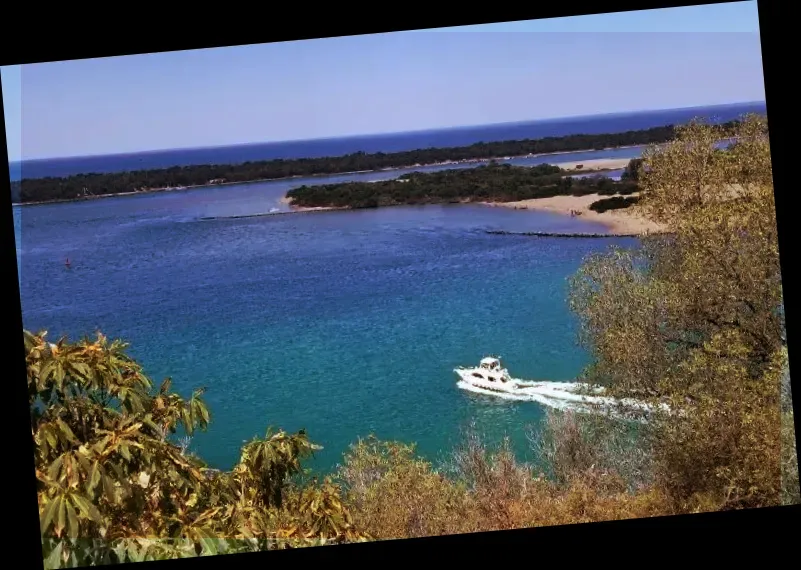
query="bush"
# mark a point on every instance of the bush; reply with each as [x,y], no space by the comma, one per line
[613,203]
[572,445]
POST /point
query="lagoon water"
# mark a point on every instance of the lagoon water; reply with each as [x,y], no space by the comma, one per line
[342,323]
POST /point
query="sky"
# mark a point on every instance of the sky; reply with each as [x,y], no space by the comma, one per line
[382,83]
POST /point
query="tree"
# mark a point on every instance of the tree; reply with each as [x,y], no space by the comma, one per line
[632,170]
[693,318]
[113,487]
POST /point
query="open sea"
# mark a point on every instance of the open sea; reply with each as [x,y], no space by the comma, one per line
[343,323]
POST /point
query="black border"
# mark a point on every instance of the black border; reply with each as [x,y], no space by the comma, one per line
[30,39]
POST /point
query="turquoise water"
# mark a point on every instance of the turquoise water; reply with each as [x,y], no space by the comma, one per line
[343,323]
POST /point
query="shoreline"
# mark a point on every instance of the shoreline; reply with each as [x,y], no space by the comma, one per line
[616,221]
[393,169]
[620,221]
[594,165]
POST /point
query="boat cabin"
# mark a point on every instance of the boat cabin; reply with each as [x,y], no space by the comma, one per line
[491,370]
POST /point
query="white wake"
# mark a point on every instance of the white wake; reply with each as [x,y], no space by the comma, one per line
[566,396]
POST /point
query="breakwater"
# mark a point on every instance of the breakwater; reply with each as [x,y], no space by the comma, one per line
[561,235]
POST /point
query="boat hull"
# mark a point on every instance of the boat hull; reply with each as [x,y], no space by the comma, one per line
[496,387]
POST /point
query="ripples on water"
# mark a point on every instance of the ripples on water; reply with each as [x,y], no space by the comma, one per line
[343,323]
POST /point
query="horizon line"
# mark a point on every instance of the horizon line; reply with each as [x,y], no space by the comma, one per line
[389,133]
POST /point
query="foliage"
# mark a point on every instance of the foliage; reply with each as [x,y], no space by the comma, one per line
[791,492]
[396,494]
[694,319]
[97,184]
[570,445]
[112,486]
[632,170]
[613,203]
[491,183]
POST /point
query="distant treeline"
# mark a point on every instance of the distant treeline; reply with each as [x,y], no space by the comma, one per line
[489,183]
[87,185]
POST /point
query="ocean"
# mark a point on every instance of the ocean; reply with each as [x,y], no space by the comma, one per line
[386,143]
[345,324]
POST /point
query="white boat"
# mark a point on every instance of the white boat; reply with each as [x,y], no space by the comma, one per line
[491,376]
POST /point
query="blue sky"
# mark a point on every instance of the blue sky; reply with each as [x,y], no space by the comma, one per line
[381,83]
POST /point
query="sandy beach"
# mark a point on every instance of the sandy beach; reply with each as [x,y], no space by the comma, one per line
[618,221]
[594,164]
[287,201]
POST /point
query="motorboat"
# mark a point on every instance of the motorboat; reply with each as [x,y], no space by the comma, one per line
[491,376]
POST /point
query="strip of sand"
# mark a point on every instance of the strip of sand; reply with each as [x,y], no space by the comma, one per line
[594,164]
[618,221]
[287,201]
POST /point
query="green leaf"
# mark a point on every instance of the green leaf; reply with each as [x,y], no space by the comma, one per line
[54,470]
[94,477]
[59,374]
[73,528]
[53,559]
[47,369]
[83,460]
[100,446]
[192,501]
[50,512]
[137,554]
[209,546]
[109,490]
[50,438]
[61,517]
[87,509]
[82,369]
[121,551]
[65,429]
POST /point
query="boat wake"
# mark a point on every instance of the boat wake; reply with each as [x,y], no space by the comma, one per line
[490,379]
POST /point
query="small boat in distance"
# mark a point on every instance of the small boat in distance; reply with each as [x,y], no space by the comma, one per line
[67,263]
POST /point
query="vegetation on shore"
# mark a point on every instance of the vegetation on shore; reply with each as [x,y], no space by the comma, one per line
[613,203]
[96,184]
[491,183]
[692,319]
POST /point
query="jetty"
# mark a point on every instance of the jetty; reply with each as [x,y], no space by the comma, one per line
[561,235]
[265,214]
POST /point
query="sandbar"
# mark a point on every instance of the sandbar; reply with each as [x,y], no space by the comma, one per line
[594,164]
[621,221]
